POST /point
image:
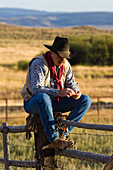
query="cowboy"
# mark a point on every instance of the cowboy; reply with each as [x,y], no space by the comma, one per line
[50,87]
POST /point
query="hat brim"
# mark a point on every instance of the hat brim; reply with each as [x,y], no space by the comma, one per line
[63,54]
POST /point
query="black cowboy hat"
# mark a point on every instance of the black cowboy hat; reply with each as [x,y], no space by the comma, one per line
[60,46]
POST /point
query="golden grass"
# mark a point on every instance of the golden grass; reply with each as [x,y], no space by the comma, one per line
[16,51]
[92,117]
[91,80]
[11,83]
[18,32]
[97,87]
[20,43]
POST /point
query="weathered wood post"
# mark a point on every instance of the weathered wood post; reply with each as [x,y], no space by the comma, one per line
[38,146]
[5,146]
[6,110]
[44,154]
[109,164]
[98,106]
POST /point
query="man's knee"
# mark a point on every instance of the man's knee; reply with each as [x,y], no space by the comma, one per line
[86,99]
[43,98]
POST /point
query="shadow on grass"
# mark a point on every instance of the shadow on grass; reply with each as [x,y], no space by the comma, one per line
[10,66]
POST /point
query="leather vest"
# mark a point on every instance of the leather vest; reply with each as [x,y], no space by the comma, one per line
[26,91]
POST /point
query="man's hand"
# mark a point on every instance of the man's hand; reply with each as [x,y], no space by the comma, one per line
[66,92]
[77,94]
[69,92]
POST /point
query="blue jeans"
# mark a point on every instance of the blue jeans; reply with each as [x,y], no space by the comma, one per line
[43,105]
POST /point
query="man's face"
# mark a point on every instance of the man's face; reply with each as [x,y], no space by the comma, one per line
[57,59]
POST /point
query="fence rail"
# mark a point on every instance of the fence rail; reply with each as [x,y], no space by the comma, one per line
[87,126]
[76,154]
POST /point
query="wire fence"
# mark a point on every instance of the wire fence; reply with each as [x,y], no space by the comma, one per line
[24,150]
[8,107]
[93,141]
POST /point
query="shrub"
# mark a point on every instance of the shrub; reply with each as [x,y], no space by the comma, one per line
[96,50]
[23,65]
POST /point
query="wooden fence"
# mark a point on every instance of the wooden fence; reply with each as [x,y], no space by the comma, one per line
[76,154]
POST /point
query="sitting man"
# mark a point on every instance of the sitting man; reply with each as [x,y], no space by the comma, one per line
[50,87]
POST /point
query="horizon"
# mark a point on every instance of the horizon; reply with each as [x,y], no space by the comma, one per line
[53,11]
[60,5]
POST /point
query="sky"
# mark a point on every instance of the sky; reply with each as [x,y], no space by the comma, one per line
[60,5]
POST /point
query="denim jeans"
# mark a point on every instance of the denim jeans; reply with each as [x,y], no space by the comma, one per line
[43,105]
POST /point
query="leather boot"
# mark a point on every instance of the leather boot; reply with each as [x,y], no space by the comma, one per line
[61,144]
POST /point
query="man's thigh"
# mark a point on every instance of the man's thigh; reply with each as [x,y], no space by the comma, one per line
[65,104]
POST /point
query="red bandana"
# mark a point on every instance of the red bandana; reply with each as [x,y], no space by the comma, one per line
[56,77]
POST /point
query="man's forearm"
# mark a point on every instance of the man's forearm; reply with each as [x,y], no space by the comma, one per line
[43,89]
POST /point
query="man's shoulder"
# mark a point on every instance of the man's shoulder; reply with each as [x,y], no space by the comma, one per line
[66,62]
[67,65]
[37,60]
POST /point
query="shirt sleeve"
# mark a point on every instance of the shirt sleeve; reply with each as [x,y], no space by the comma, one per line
[70,80]
[37,73]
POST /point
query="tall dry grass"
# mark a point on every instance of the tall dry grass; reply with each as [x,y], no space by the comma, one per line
[20,43]
[92,80]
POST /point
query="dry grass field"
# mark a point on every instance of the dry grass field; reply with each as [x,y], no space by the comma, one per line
[20,43]
[92,80]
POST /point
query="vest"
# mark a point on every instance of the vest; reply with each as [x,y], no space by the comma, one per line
[26,91]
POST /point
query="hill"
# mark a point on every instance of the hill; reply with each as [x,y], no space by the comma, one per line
[13,32]
[36,18]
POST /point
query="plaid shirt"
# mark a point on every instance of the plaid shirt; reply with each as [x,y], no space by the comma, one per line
[37,73]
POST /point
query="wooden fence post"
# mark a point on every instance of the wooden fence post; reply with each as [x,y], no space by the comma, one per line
[44,154]
[6,110]
[5,146]
[98,106]
[109,164]
[38,147]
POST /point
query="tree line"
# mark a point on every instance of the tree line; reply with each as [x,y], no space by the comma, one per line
[96,50]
